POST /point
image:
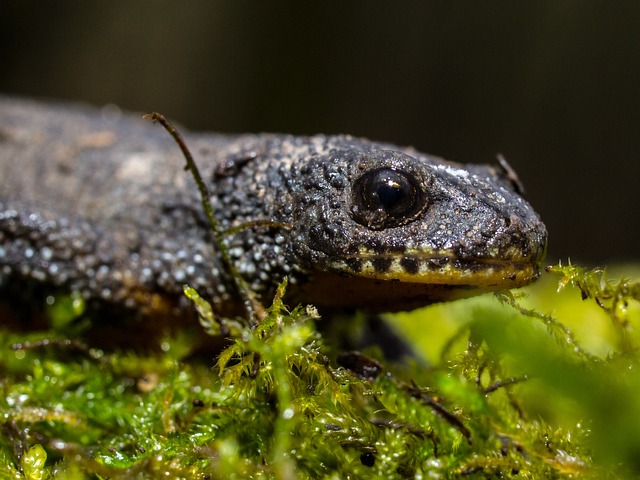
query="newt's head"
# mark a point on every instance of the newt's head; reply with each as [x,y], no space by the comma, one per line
[384,230]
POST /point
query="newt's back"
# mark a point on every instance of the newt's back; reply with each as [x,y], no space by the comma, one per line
[98,203]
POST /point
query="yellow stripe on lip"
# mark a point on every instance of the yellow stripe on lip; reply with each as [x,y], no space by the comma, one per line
[484,273]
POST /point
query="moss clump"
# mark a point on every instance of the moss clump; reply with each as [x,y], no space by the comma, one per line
[504,392]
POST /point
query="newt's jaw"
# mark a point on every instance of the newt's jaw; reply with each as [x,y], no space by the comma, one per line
[408,282]
[371,295]
[484,274]
[428,281]
[507,267]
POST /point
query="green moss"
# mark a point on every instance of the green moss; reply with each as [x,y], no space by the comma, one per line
[501,391]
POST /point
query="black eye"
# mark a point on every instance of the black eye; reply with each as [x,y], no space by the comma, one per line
[386,198]
[393,193]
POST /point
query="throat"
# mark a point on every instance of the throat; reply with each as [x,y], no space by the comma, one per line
[334,291]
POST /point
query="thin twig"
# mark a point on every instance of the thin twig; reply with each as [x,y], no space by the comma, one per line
[254,309]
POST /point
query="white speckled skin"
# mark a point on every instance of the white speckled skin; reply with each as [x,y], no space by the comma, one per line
[101,205]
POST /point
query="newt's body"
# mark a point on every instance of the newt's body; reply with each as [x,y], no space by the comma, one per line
[104,207]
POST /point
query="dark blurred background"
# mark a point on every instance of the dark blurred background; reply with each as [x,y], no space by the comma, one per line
[554,85]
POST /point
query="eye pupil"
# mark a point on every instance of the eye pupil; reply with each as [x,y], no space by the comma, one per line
[390,194]
[386,198]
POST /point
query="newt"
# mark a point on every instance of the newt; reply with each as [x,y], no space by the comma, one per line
[98,203]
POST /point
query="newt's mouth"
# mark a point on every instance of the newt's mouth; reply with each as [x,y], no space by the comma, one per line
[494,273]
[334,291]
[407,282]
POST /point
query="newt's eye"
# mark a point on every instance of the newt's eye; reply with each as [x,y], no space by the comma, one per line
[386,198]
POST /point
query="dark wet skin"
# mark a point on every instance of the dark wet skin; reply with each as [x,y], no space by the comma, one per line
[100,204]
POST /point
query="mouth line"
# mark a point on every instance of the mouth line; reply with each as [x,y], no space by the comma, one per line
[444,258]
[444,269]
[396,291]
[504,254]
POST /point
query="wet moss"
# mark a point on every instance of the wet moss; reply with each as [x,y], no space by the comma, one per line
[502,391]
